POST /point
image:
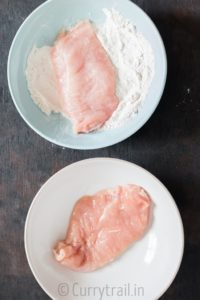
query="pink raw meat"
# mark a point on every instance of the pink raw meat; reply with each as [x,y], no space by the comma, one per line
[103,226]
[86,78]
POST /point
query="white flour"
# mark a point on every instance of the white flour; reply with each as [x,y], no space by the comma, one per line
[41,80]
[133,58]
[130,53]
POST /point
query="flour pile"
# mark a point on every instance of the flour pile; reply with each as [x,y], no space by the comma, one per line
[133,58]
[130,53]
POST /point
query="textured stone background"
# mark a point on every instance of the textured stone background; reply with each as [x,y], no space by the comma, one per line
[168,146]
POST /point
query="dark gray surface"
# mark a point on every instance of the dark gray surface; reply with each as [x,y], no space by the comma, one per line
[168,146]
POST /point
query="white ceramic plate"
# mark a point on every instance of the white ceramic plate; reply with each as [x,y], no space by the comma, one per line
[146,270]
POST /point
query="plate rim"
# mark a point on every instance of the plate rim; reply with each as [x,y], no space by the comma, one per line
[81,162]
[117,140]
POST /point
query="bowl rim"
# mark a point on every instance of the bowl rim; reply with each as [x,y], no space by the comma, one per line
[100,159]
[107,143]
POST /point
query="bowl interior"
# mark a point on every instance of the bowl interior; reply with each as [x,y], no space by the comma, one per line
[41,28]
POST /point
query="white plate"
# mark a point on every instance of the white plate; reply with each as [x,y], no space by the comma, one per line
[148,267]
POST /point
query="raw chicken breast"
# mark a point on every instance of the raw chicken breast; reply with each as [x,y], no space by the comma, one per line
[85,76]
[102,226]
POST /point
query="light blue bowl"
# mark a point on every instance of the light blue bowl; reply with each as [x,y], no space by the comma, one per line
[41,28]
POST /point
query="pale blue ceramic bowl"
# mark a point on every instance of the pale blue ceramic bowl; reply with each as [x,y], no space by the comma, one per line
[41,28]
